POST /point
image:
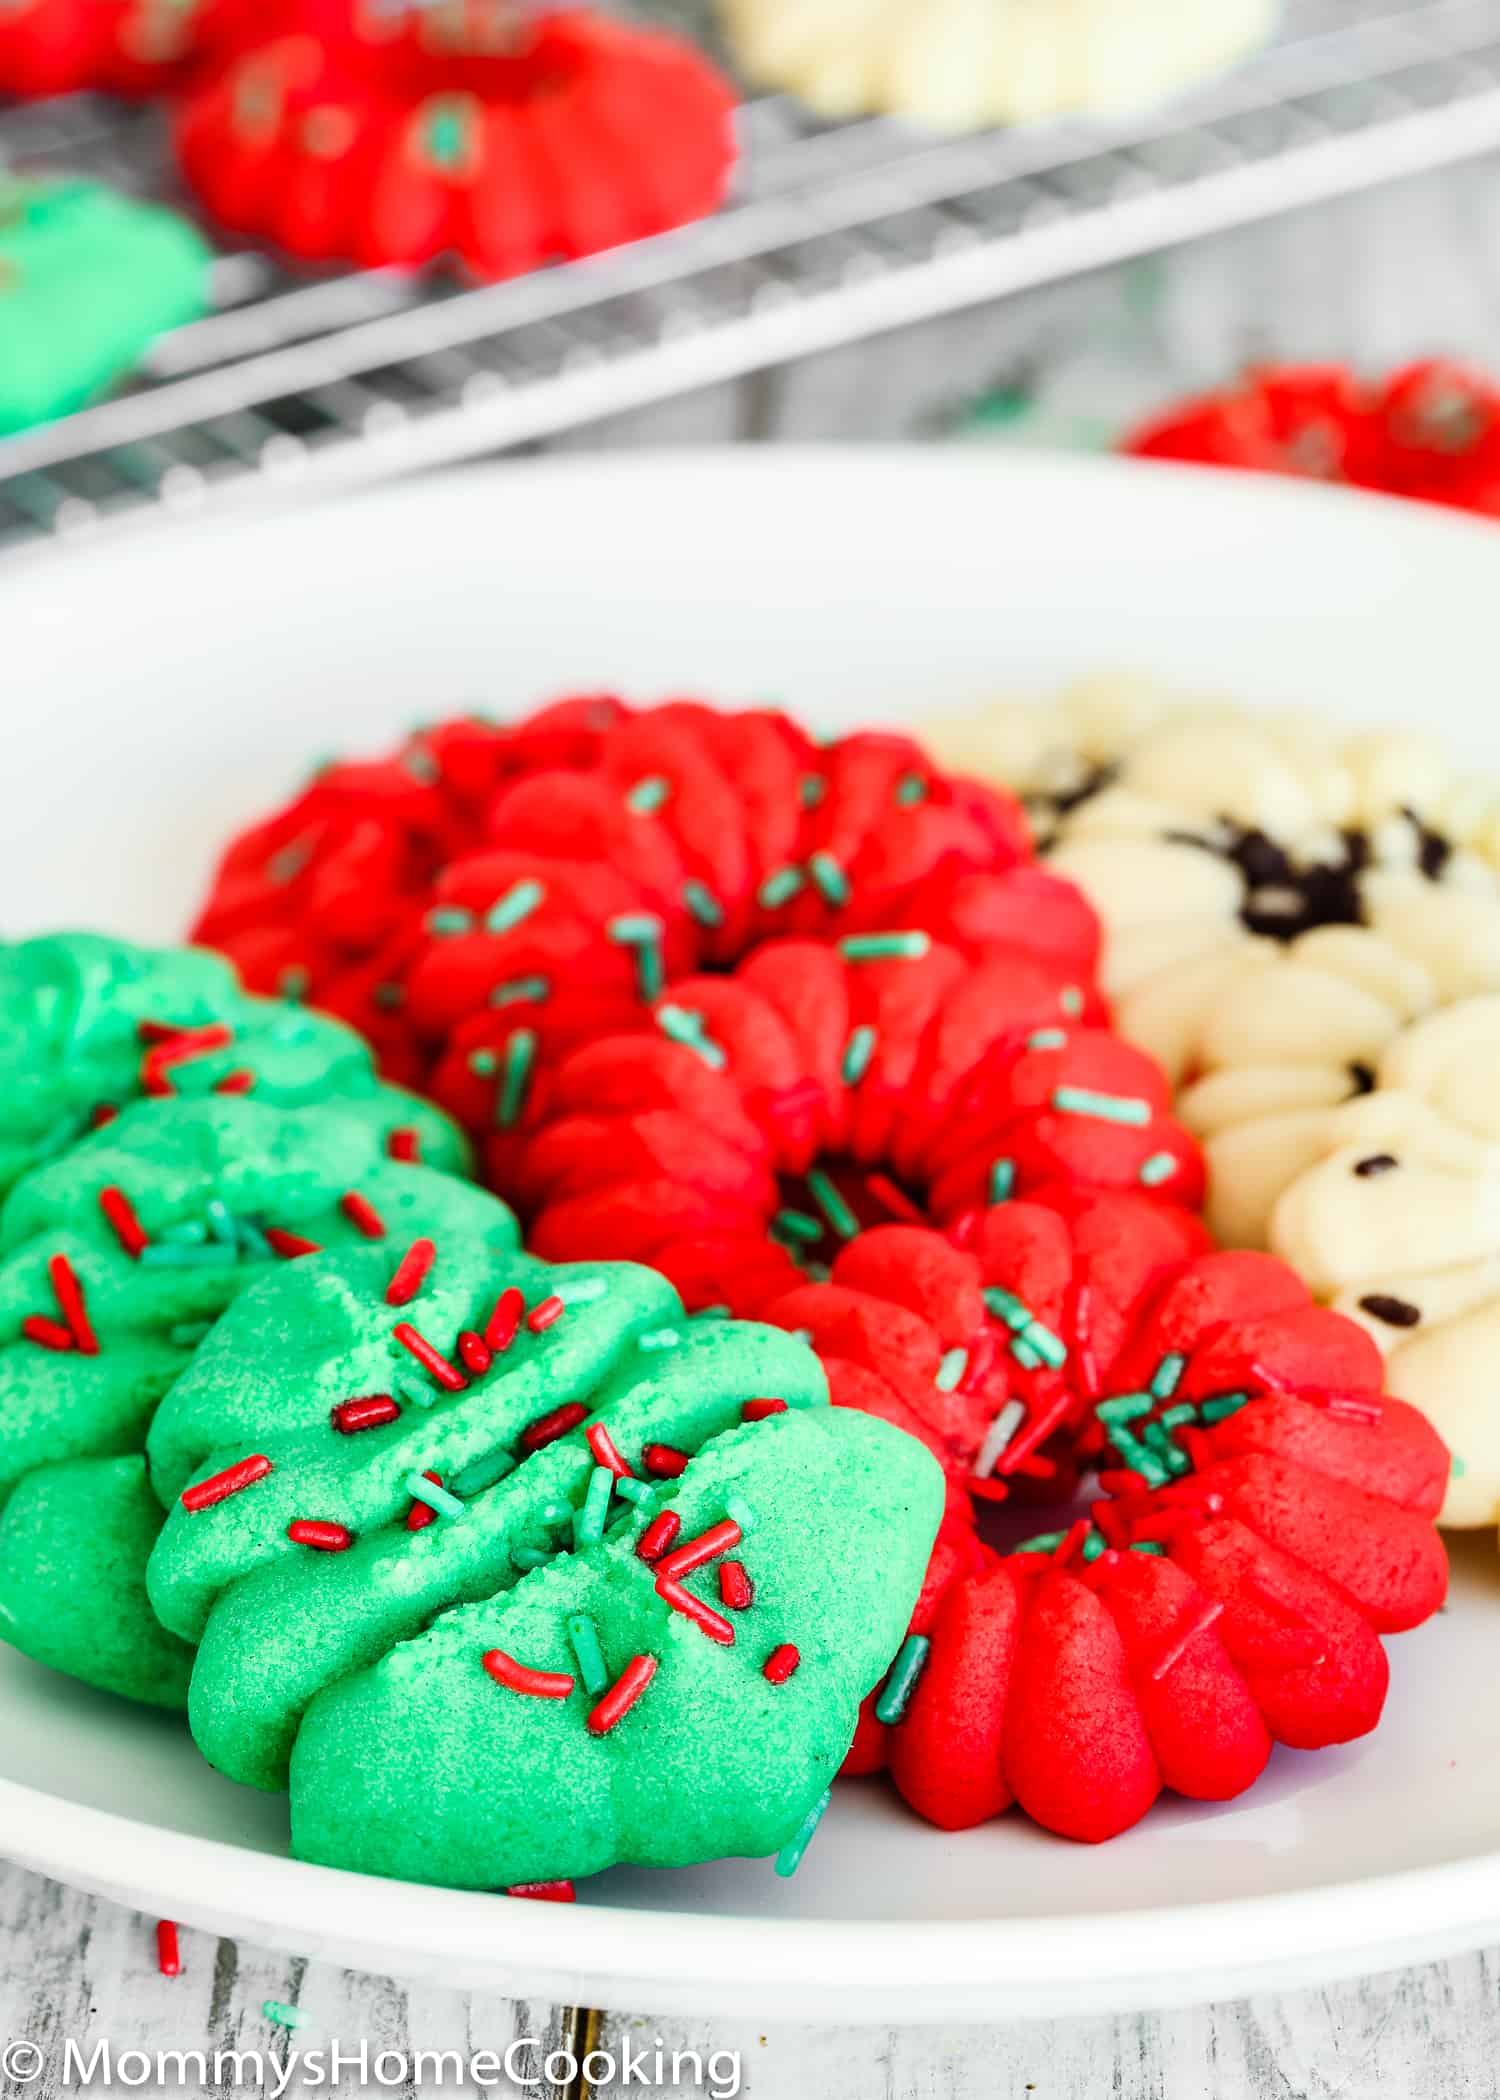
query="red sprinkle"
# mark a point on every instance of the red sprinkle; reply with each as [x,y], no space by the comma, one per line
[239,1081]
[421,1514]
[546,1429]
[735,1587]
[50,1333]
[703,1616]
[1036,1431]
[158,1031]
[708,1545]
[221,1486]
[545,1891]
[780,1663]
[367,1412]
[504,1322]
[403,1144]
[362,1214]
[70,1302]
[475,1352]
[622,1694]
[104,1113]
[1077,1532]
[120,1215]
[289,1245]
[446,1374]
[658,1535]
[411,1272]
[757,1410]
[312,1531]
[168,1954]
[175,1048]
[663,1461]
[607,1452]
[545,1315]
[885,1191]
[517,1677]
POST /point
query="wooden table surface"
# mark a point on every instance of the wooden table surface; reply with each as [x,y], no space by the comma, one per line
[1376,279]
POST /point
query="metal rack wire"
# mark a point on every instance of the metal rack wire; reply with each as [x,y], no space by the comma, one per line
[837,232]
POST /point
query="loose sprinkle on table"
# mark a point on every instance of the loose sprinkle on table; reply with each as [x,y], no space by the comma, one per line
[531,1684]
[168,1954]
[622,1694]
[282,2015]
[220,1486]
[544,1891]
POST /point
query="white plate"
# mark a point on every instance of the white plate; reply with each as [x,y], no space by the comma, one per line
[162,688]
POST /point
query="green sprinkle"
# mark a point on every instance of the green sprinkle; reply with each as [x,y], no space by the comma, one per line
[832,1204]
[418,1393]
[885,947]
[830,878]
[1108,1108]
[520,991]
[1147,1546]
[220,1223]
[161,1256]
[528,1557]
[797,1225]
[789,1858]
[1093,1545]
[1177,1417]
[1160,1167]
[951,1370]
[635,1490]
[192,1232]
[1002,1180]
[814,788]
[1044,1542]
[187,1334]
[659,1338]
[293,983]
[582,1290]
[518,903]
[1006,1306]
[1071,1000]
[287,865]
[284,2015]
[1048,1039]
[742,1513]
[911,788]
[437,1499]
[584,1635]
[702,903]
[450,919]
[1459,1469]
[483,1064]
[588,1523]
[1025,1352]
[520,1055]
[253,1240]
[648,795]
[715,1312]
[1221,1407]
[1051,1348]
[682,1024]
[780,888]
[388,997]
[422,766]
[895,1693]
[631,928]
[484,1472]
[857,1054]
[1168,1376]
[1125,1407]
[650,972]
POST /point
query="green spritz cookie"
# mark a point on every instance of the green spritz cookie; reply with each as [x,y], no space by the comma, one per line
[116,1259]
[526,1573]
[88,1023]
[88,280]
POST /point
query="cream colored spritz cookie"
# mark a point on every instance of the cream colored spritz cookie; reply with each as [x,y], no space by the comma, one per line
[960,64]
[1303,926]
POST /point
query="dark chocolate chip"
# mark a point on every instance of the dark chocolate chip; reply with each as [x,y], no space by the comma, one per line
[1377,1163]
[1395,1312]
[1363,1077]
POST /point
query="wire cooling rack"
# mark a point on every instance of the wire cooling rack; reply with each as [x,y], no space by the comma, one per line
[836,232]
